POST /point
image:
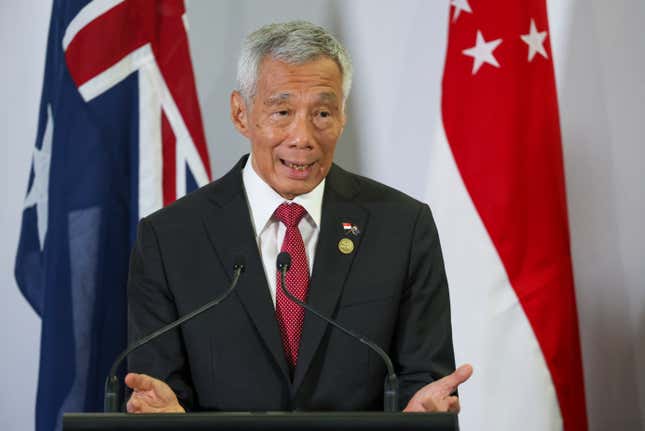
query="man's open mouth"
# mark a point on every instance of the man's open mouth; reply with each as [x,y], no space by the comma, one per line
[298,166]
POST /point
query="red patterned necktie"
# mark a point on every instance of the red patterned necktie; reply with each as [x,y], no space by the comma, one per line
[289,314]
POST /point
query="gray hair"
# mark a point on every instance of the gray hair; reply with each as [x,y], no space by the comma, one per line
[294,42]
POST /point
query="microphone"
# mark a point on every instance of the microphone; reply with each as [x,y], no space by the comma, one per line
[111,400]
[391,386]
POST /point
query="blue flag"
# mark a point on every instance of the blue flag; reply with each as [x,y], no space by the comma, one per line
[119,136]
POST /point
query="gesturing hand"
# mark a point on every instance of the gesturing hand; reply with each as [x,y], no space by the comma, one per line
[435,396]
[151,395]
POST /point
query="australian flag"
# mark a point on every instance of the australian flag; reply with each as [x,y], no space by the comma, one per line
[120,135]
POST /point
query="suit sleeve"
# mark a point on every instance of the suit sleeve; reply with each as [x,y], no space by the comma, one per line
[150,307]
[423,335]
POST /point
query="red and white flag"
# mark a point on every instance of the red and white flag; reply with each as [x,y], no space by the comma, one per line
[498,171]
[120,136]
[110,40]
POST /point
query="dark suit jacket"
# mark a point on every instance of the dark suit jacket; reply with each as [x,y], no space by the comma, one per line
[392,289]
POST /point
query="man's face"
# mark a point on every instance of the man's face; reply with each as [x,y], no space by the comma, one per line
[293,123]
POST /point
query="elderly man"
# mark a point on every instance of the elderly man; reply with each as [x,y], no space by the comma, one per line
[363,253]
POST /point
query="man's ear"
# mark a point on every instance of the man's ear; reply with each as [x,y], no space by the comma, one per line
[239,113]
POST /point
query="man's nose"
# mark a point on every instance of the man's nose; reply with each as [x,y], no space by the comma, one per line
[301,133]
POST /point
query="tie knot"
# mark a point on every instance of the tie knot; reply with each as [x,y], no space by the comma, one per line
[290,214]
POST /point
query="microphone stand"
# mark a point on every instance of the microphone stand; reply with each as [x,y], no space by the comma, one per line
[111,400]
[391,385]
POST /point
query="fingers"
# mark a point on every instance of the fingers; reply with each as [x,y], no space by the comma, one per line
[452,381]
[420,404]
[139,382]
[134,406]
[151,395]
[464,372]
[414,408]
[138,404]
[436,396]
[452,404]
[449,404]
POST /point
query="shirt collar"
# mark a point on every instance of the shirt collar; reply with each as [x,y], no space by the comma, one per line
[263,200]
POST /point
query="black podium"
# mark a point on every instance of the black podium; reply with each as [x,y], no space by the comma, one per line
[328,421]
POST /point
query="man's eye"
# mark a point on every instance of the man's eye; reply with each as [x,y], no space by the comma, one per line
[324,114]
[282,113]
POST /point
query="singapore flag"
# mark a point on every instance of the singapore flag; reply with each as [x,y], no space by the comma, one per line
[498,192]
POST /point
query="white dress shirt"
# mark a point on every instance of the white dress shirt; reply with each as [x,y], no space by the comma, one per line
[269,232]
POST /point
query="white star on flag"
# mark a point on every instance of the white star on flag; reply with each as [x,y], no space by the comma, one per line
[459,6]
[482,52]
[39,193]
[535,41]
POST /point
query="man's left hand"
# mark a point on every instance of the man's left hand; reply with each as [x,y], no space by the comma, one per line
[436,396]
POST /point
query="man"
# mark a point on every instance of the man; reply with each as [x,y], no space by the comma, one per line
[363,253]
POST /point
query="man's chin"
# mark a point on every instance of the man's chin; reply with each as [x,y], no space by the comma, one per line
[291,188]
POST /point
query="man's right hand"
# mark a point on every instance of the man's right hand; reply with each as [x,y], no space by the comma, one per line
[151,395]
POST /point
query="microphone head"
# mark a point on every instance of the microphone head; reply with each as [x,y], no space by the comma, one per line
[239,263]
[283,261]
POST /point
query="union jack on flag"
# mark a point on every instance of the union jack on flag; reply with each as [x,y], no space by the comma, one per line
[119,136]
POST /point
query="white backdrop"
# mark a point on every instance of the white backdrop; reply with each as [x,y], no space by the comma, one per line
[598,49]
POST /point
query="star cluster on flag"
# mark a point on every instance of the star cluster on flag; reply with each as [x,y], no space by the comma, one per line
[482,51]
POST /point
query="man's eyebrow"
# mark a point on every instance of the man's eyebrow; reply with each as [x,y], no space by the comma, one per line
[324,97]
[327,97]
[276,99]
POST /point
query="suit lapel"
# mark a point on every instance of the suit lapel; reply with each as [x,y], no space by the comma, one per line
[331,266]
[230,231]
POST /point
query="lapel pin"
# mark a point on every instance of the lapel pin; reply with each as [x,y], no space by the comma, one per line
[346,246]
[350,228]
